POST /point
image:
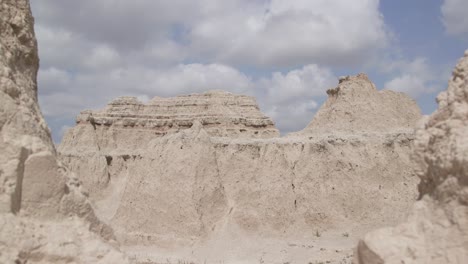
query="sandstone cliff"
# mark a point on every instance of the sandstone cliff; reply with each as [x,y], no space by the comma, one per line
[204,195]
[437,229]
[37,191]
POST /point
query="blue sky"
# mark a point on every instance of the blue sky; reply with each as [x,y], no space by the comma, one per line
[285,53]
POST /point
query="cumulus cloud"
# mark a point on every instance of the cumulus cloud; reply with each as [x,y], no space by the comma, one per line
[308,82]
[128,25]
[278,33]
[291,98]
[102,57]
[73,92]
[53,80]
[410,84]
[455,18]
[413,77]
[61,48]
[92,51]
[285,33]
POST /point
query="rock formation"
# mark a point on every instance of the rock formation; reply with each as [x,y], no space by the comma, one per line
[205,177]
[127,122]
[437,228]
[37,193]
[355,105]
[206,190]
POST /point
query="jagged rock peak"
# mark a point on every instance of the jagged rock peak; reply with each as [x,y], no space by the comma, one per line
[221,113]
[362,80]
[356,106]
[437,228]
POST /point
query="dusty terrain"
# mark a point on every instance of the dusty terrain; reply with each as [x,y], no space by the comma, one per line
[206,178]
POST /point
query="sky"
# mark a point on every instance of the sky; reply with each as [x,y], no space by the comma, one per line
[286,53]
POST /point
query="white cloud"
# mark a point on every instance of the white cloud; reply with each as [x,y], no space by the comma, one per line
[291,98]
[92,51]
[310,81]
[413,77]
[77,91]
[164,52]
[268,33]
[52,80]
[413,85]
[60,48]
[455,18]
[285,33]
[102,57]
[128,25]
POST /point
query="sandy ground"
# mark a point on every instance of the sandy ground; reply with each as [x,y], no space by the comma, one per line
[322,248]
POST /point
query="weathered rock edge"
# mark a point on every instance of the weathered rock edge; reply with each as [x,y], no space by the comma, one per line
[436,230]
[356,106]
[37,191]
[222,114]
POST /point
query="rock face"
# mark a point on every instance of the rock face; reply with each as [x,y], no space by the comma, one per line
[437,229]
[34,186]
[202,194]
[355,105]
[127,122]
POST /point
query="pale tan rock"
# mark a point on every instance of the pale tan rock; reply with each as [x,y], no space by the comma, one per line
[202,177]
[23,129]
[356,106]
[199,195]
[127,122]
[34,185]
[26,240]
[436,230]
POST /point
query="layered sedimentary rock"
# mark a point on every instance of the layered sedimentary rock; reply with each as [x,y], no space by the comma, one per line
[127,122]
[204,195]
[437,228]
[36,190]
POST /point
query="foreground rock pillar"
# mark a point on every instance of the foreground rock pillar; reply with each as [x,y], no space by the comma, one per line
[437,229]
[28,154]
[42,207]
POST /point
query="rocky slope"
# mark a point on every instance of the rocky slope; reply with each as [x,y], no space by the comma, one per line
[37,193]
[202,195]
[437,228]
